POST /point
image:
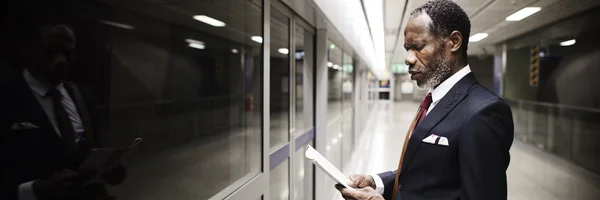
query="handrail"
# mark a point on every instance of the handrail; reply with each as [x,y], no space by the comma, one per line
[579,108]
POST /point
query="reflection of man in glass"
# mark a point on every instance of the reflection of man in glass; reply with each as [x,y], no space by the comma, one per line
[45,123]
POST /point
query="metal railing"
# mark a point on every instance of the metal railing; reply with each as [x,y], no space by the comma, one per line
[571,132]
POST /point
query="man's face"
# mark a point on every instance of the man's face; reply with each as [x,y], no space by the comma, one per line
[51,55]
[427,55]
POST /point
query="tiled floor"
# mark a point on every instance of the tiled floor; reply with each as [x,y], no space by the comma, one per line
[532,174]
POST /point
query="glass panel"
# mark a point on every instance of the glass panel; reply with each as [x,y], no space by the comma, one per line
[333,147]
[347,107]
[280,78]
[304,40]
[304,43]
[145,69]
[334,84]
[280,181]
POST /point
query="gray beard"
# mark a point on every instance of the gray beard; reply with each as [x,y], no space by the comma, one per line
[441,73]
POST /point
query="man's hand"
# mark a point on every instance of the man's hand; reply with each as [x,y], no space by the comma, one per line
[361,181]
[367,193]
[61,184]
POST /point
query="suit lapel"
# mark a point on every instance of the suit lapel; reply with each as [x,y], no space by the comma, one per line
[458,92]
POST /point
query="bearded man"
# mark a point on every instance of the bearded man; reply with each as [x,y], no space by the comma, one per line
[458,144]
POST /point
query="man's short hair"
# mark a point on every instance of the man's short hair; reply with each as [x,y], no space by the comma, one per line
[447,16]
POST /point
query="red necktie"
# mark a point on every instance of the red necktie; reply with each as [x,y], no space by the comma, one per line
[421,113]
[423,108]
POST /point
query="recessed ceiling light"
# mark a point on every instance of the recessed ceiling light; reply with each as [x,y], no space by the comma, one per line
[193,41]
[567,43]
[257,39]
[117,24]
[478,37]
[209,20]
[329,64]
[234,51]
[332,46]
[195,44]
[283,51]
[523,13]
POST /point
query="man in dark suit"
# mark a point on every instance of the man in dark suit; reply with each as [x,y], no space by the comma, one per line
[458,145]
[46,124]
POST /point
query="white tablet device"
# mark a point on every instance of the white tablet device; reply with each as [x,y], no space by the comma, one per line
[316,158]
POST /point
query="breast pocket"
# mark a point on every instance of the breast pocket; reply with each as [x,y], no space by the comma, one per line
[436,148]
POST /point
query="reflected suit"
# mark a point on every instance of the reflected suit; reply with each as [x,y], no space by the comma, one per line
[31,149]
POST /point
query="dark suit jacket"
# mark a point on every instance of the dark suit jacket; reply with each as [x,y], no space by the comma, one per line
[28,155]
[479,128]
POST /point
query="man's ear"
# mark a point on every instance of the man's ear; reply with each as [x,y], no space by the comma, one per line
[456,39]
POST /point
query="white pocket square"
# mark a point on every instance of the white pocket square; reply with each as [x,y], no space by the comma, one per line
[435,139]
[430,139]
[23,126]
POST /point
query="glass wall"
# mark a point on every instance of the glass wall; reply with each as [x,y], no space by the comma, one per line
[280,101]
[347,71]
[304,111]
[184,76]
[334,105]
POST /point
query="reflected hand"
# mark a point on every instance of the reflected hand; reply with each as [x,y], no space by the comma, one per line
[361,181]
[367,193]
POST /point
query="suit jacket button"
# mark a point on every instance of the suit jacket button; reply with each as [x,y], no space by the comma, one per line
[400,187]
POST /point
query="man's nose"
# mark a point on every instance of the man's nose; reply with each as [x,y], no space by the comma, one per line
[410,59]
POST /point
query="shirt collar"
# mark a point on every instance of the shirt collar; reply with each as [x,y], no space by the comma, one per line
[440,91]
[38,86]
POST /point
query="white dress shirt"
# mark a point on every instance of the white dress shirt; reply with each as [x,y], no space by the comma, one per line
[436,95]
[40,91]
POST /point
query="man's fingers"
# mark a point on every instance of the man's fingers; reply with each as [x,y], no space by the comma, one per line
[348,194]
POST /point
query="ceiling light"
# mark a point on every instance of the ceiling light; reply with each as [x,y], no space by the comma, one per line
[234,51]
[523,13]
[193,41]
[478,37]
[567,43]
[329,64]
[332,46]
[283,51]
[257,39]
[209,20]
[195,44]
[117,24]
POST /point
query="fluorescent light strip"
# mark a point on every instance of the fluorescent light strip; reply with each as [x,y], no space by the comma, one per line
[478,37]
[283,51]
[118,25]
[193,41]
[523,13]
[567,43]
[257,39]
[209,20]
[197,45]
